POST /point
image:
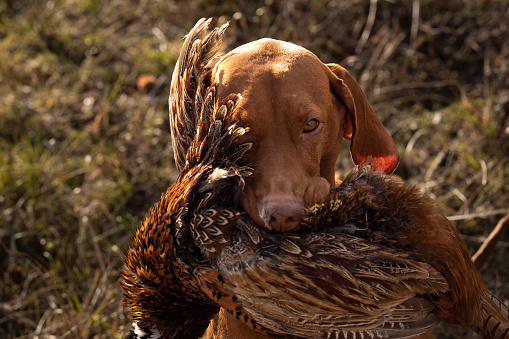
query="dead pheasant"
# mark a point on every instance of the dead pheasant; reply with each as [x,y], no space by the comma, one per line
[164,268]
[160,282]
[376,261]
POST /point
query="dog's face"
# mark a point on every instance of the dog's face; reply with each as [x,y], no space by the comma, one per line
[296,126]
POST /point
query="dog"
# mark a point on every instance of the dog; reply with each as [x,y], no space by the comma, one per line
[298,110]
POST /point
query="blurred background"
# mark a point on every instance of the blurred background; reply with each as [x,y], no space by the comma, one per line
[85,143]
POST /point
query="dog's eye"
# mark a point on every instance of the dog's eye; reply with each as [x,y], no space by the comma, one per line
[311,125]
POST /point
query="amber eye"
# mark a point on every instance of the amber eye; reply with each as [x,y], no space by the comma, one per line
[311,125]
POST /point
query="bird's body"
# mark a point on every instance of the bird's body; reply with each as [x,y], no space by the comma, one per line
[376,260]
[161,282]
[165,270]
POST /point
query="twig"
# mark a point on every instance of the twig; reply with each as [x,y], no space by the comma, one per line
[95,242]
[484,253]
[486,85]
[368,28]
[415,85]
[416,7]
[478,215]
[40,325]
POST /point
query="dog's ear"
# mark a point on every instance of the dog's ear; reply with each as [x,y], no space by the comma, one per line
[369,139]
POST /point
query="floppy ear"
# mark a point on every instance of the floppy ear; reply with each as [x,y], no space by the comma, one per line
[367,134]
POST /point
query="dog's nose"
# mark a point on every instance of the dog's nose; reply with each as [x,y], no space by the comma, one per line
[282,216]
[284,223]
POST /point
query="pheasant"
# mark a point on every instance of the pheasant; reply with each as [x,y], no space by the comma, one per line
[164,268]
[160,282]
[375,260]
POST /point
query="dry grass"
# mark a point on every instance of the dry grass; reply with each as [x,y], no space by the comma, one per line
[85,153]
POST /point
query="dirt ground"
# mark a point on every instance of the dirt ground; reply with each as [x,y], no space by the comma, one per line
[85,151]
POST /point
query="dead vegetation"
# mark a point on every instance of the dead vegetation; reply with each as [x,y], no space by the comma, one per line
[85,152]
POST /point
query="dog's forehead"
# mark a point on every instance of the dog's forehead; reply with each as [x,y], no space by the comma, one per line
[266,62]
[263,55]
[269,46]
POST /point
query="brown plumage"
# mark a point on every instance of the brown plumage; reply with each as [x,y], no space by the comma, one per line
[188,89]
[164,268]
[376,260]
[160,282]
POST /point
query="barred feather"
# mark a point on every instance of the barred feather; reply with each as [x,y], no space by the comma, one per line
[187,90]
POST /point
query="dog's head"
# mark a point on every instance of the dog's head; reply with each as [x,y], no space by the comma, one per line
[298,110]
